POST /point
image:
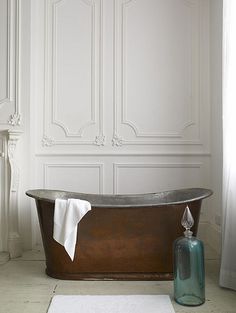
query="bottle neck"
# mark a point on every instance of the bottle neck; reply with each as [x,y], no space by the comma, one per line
[188,233]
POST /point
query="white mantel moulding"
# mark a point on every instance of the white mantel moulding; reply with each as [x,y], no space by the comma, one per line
[14,240]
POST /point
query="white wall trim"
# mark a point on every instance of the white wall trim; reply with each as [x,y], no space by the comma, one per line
[55,119]
[117,166]
[124,119]
[99,166]
[96,80]
[5,197]
[13,63]
[119,87]
[8,97]
[128,154]
[14,239]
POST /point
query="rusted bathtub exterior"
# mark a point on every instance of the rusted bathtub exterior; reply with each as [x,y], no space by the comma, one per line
[124,237]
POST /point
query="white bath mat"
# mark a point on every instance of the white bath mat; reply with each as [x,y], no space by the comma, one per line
[111,304]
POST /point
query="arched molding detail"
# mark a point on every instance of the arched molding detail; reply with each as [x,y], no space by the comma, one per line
[121,119]
[51,117]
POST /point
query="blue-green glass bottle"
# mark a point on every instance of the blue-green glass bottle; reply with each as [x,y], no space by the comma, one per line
[189,271]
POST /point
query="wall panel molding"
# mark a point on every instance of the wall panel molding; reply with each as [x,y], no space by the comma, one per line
[118,166]
[55,118]
[14,238]
[98,166]
[126,130]
[57,131]
[131,154]
[10,45]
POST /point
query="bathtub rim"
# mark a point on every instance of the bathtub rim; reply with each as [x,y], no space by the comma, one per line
[191,194]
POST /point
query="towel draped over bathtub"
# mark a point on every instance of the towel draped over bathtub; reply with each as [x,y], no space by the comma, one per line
[67,215]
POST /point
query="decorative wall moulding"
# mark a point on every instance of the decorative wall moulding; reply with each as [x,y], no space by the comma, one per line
[73,104]
[14,240]
[82,166]
[99,140]
[4,186]
[117,141]
[158,129]
[118,166]
[123,153]
[15,119]
[10,50]
[156,142]
[47,142]
[75,117]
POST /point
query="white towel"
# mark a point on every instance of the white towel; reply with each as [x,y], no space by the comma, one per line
[67,214]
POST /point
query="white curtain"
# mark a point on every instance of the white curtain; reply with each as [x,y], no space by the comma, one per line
[228,261]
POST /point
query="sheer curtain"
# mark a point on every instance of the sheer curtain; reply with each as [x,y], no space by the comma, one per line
[228,261]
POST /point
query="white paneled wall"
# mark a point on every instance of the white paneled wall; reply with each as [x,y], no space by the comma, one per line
[155,58]
[119,95]
[122,95]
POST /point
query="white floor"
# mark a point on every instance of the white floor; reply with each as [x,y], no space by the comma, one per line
[24,288]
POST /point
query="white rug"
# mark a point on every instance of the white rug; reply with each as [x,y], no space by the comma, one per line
[111,304]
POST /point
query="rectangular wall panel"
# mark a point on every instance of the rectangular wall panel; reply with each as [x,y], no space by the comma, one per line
[86,178]
[144,178]
[158,72]
[73,104]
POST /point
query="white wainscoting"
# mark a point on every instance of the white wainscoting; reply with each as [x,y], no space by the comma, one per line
[154,177]
[81,177]
[121,175]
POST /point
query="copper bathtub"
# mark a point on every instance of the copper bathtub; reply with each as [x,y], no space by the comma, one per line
[123,237]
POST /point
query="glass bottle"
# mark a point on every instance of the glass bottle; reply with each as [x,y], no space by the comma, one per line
[189,271]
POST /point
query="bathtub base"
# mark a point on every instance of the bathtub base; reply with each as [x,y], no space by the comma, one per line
[111,276]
